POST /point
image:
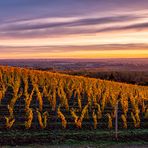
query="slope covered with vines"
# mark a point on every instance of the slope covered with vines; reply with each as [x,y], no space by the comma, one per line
[37,99]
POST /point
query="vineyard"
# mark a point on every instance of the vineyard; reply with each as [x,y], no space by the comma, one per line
[32,99]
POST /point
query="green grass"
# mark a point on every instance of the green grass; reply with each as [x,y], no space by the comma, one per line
[97,138]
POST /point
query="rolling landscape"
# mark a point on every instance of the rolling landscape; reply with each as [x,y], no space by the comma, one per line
[48,102]
[74,74]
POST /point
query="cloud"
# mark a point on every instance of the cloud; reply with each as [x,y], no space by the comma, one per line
[80,22]
[59,49]
[138,26]
[57,32]
[69,26]
[94,51]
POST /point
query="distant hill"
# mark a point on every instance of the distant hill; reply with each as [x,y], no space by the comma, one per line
[132,71]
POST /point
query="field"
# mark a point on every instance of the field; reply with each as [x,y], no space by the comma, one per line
[74,138]
[63,106]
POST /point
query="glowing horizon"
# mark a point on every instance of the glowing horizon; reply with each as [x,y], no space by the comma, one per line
[55,29]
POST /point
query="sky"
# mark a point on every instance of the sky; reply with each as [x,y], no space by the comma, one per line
[73,29]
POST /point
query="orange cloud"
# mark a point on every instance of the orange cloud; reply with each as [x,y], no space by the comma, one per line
[80,54]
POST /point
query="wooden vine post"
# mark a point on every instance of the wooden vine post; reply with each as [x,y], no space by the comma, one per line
[116,122]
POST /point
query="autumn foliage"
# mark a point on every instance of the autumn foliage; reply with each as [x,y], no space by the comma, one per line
[73,100]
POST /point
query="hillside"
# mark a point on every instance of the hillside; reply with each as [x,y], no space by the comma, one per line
[40,99]
[131,71]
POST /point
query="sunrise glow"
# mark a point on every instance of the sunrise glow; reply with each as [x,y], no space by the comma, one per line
[66,29]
